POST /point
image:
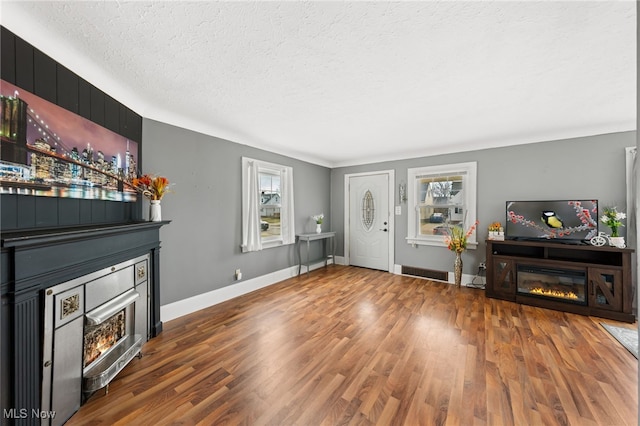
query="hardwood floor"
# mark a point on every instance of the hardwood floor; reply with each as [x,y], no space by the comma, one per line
[355,346]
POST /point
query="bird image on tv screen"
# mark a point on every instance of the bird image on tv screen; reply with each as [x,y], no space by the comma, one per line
[565,219]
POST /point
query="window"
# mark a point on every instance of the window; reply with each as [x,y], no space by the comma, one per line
[267,205]
[270,197]
[438,197]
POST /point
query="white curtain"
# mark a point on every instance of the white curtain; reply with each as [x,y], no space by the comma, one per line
[286,209]
[251,240]
[632,215]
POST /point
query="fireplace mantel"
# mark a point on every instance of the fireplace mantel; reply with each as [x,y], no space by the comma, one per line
[33,260]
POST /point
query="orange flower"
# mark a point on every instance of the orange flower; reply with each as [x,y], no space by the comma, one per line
[152,187]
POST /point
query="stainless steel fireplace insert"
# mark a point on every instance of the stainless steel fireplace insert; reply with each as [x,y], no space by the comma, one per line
[93,326]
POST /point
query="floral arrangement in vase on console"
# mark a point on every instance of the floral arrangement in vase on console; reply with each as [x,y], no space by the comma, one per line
[153,188]
[318,219]
[456,241]
[613,219]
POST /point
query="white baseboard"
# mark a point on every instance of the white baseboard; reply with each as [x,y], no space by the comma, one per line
[195,303]
[201,301]
[466,278]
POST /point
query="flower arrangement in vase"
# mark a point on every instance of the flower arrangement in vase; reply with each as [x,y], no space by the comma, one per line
[613,219]
[153,188]
[456,241]
[318,219]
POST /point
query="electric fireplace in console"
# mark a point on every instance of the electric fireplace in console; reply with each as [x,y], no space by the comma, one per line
[581,279]
[553,283]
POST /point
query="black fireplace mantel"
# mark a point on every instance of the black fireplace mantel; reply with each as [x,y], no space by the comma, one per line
[34,260]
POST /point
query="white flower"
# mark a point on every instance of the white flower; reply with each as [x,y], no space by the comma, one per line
[621,216]
[318,218]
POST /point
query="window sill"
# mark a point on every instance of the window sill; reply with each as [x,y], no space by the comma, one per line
[414,241]
[272,243]
[265,245]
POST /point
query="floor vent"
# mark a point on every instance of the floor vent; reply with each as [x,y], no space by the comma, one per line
[425,273]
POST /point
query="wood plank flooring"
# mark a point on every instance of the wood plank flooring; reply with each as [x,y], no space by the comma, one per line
[351,346]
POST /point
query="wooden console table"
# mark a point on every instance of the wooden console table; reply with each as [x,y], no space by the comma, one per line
[606,272]
[322,236]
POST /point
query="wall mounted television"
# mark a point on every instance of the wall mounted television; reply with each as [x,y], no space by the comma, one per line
[571,221]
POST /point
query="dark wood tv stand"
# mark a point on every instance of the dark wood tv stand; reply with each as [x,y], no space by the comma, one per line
[606,270]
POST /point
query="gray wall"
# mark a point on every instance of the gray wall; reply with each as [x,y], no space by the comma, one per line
[201,246]
[580,168]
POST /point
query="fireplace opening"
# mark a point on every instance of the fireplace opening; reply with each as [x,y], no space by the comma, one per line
[99,339]
[551,283]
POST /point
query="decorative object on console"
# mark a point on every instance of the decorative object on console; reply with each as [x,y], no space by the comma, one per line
[318,219]
[496,231]
[456,241]
[613,219]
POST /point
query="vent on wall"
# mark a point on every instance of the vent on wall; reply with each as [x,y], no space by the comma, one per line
[425,273]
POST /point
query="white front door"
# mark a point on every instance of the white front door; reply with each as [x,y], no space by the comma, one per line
[369,218]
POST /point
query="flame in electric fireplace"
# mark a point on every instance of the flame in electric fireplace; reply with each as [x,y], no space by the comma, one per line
[554,293]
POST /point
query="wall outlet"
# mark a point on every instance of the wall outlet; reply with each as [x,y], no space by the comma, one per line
[482,266]
[238,274]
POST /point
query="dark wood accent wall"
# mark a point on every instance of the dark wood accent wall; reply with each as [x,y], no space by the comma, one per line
[25,66]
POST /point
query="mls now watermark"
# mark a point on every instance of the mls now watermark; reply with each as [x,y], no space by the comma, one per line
[23,413]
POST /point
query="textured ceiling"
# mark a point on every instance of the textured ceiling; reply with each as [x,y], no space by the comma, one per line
[341,83]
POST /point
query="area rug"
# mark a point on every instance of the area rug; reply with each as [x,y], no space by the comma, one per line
[628,337]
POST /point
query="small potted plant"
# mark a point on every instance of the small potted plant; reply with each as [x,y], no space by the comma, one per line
[613,219]
[318,219]
[496,231]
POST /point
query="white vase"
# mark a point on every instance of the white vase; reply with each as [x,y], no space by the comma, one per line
[318,228]
[617,242]
[155,211]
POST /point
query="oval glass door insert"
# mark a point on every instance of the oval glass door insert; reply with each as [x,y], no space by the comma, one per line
[368,211]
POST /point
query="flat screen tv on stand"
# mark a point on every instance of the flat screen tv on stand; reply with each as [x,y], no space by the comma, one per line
[562,221]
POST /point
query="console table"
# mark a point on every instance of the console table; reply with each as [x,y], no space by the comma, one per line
[322,236]
[601,275]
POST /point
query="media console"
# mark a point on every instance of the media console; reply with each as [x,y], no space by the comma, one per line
[581,279]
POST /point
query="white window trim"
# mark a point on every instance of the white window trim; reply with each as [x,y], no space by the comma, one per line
[470,189]
[266,167]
